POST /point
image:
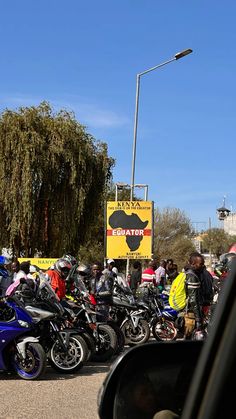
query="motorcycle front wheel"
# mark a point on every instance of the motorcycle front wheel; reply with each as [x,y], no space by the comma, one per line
[70,360]
[119,336]
[33,365]
[140,334]
[164,330]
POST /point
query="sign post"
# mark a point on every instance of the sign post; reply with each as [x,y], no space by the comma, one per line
[129,229]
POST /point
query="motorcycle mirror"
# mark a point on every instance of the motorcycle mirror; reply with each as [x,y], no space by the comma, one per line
[149,378]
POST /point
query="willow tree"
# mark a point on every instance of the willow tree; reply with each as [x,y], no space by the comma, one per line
[53,178]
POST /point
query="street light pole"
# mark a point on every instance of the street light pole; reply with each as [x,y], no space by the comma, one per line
[176,57]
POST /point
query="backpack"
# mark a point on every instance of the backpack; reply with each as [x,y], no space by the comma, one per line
[178,296]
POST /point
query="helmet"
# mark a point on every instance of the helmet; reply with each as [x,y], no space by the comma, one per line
[226,259]
[71,259]
[199,335]
[63,267]
[83,270]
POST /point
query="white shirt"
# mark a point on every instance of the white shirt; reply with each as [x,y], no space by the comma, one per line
[160,272]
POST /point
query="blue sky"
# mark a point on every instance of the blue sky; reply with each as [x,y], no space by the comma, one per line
[84,56]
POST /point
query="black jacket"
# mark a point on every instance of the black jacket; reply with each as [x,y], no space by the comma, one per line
[103,288]
[193,285]
[206,289]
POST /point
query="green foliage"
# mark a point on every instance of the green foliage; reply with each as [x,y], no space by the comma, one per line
[53,176]
[172,236]
[216,241]
[91,252]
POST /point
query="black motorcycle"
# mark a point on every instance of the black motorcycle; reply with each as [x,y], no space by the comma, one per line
[82,282]
[66,349]
[129,317]
[102,334]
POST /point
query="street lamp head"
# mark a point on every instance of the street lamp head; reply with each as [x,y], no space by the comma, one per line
[183,53]
[176,57]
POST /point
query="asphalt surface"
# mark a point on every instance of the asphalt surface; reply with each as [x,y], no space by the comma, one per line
[55,395]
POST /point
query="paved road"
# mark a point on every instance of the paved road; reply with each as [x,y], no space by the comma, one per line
[54,396]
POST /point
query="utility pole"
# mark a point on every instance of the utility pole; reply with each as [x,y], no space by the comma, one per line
[210,250]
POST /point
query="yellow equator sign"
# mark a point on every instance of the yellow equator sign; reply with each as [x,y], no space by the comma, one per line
[129,229]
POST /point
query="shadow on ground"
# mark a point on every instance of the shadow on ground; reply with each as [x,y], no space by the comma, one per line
[88,369]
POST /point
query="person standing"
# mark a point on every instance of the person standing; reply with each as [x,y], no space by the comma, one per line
[135,277]
[102,290]
[160,273]
[206,290]
[193,272]
[110,268]
[169,268]
[173,274]
[148,275]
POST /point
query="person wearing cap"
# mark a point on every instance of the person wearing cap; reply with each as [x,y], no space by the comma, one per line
[110,265]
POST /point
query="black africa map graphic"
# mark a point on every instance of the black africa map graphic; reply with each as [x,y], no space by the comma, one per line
[119,219]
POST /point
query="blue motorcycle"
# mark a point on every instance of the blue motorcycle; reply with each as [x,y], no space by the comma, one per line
[19,351]
[162,319]
[168,324]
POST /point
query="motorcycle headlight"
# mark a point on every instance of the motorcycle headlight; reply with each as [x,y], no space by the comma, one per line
[22,323]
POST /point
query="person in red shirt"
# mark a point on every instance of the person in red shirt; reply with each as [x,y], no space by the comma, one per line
[57,277]
[148,275]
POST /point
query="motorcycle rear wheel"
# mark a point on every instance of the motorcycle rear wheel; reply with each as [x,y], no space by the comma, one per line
[33,366]
[71,360]
[164,330]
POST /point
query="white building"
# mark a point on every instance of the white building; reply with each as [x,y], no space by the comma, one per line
[230,224]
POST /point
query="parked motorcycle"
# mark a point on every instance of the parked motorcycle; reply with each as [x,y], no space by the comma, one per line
[171,325]
[102,334]
[20,350]
[82,285]
[131,319]
[65,347]
[160,316]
